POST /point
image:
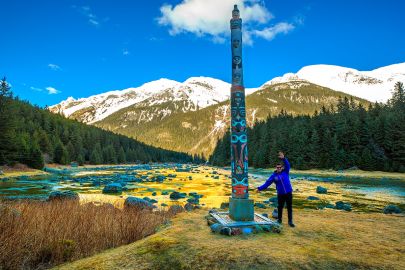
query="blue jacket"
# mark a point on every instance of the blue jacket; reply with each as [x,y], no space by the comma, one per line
[282,180]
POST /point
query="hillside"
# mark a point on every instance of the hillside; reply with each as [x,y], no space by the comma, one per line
[34,136]
[190,116]
[197,132]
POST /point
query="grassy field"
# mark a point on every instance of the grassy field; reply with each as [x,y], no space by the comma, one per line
[20,171]
[323,239]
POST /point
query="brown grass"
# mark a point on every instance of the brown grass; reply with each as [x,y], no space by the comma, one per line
[326,239]
[37,235]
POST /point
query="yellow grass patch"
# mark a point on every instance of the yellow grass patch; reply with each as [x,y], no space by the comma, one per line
[325,239]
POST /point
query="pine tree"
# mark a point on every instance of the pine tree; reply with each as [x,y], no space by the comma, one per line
[61,155]
[7,125]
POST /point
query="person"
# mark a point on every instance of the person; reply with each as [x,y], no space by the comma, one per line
[281,178]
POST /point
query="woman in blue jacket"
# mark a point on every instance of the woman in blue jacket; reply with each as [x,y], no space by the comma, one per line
[281,177]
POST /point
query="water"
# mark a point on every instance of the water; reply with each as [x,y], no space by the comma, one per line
[213,184]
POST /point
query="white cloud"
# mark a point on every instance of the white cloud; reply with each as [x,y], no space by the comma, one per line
[54,67]
[269,33]
[125,52]
[36,89]
[211,18]
[86,11]
[52,90]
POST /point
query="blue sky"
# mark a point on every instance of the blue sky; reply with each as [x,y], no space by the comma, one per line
[51,50]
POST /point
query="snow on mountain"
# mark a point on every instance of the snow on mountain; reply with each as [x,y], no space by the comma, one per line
[200,92]
[375,85]
[196,92]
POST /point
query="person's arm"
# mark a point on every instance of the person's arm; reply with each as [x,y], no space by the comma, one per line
[268,182]
[285,160]
[287,165]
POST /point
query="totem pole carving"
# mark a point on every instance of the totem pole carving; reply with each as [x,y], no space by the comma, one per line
[239,150]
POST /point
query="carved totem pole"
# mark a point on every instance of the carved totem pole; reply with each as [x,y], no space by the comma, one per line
[241,208]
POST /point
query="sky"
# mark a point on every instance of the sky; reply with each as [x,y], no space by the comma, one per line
[51,50]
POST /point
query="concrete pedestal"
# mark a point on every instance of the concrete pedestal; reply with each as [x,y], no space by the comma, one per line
[241,209]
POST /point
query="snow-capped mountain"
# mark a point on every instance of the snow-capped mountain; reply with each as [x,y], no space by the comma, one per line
[375,85]
[190,116]
[195,93]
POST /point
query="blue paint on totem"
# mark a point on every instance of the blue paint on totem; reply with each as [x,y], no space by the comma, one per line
[239,153]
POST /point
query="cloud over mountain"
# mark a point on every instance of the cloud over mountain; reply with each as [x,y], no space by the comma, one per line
[211,18]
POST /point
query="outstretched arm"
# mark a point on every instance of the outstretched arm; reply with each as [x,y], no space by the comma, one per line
[268,182]
[285,160]
[287,165]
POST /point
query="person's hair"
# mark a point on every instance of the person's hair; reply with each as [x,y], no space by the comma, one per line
[279,164]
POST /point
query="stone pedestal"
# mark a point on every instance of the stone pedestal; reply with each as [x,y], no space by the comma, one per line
[241,209]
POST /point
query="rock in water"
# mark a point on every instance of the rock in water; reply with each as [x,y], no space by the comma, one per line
[392,209]
[113,188]
[343,206]
[63,195]
[177,195]
[137,203]
[321,190]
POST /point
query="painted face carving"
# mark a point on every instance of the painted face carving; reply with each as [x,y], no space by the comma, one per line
[235,43]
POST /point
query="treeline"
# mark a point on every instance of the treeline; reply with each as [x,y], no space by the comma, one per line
[33,136]
[340,137]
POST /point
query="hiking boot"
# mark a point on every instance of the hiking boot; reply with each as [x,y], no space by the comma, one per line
[291,224]
[279,221]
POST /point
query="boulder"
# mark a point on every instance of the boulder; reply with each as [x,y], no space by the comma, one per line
[343,206]
[193,200]
[321,190]
[392,209]
[312,198]
[189,207]
[165,193]
[154,193]
[63,195]
[260,205]
[224,205]
[134,202]
[177,195]
[114,188]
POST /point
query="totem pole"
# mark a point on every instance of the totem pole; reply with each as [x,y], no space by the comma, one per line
[241,208]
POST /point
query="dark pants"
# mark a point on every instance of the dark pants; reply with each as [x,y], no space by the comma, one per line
[285,198]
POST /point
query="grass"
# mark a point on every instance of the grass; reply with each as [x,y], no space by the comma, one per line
[37,235]
[326,239]
[20,170]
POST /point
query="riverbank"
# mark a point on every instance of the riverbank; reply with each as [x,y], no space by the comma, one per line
[323,239]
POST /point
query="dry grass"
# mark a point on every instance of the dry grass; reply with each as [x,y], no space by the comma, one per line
[327,239]
[20,170]
[36,235]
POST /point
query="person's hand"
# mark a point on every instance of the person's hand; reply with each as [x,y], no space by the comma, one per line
[257,190]
[281,155]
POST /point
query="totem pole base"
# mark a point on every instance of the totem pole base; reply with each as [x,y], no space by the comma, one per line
[241,209]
